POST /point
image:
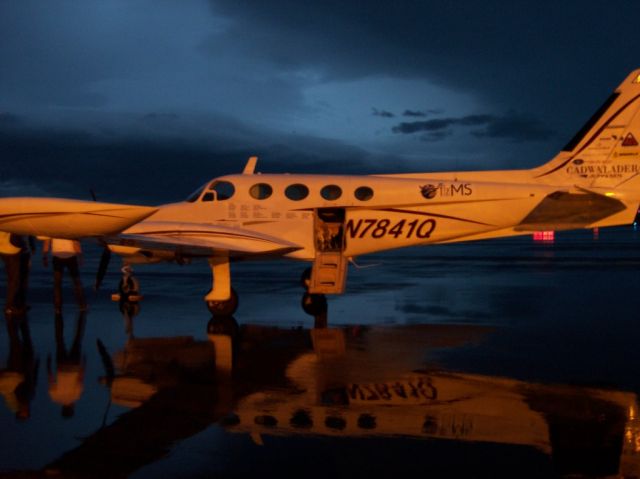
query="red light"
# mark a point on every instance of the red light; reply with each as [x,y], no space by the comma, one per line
[544,236]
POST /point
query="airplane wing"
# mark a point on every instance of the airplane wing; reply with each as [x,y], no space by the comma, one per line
[198,239]
[70,219]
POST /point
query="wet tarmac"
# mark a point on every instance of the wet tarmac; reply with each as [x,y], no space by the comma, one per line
[513,358]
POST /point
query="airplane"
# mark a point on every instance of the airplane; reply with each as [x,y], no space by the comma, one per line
[328,220]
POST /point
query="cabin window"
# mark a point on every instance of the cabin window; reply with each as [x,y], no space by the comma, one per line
[208,196]
[261,191]
[296,192]
[223,189]
[363,193]
[331,192]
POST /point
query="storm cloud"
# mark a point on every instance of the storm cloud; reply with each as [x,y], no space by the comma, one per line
[511,127]
[153,158]
[382,113]
[502,51]
[413,113]
[119,93]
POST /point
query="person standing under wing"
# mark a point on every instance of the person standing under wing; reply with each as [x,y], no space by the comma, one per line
[66,253]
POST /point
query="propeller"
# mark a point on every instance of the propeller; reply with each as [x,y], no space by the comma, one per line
[104,259]
[102,267]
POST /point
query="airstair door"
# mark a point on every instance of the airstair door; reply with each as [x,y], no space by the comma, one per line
[329,272]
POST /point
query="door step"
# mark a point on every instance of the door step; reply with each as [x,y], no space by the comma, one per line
[329,273]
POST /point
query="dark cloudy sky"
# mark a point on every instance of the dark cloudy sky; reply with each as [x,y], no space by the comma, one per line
[143,100]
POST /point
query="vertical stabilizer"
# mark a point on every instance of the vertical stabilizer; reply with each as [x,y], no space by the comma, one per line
[606,151]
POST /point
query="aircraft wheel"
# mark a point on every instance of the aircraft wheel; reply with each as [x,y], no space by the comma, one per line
[224,308]
[129,289]
[305,279]
[225,325]
[314,304]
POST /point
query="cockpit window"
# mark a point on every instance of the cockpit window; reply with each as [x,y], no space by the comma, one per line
[261,191]
[196,194]
[296,192]
[223,189]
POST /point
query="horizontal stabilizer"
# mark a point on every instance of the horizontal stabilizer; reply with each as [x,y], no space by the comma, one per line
[71,219]
[563,210]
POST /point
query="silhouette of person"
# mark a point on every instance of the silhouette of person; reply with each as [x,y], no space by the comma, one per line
[15,251]
[18,380]
[66,384]
[66,254]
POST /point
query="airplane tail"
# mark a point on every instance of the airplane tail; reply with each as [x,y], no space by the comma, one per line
[598,172]
[605,153]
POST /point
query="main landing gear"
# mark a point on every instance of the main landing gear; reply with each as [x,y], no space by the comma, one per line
[221,299]
[312,304]
[225,307]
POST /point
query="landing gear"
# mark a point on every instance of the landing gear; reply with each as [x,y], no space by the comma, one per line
[314,304]
[221,300]
[224,307]
[305,279]
[128,298]
[128,287]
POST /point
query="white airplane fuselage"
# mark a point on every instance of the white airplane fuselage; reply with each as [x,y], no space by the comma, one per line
[402,211]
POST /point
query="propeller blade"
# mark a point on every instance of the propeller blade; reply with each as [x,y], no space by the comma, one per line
[102,268]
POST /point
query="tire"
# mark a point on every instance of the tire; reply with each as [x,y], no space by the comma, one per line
[305,279]
[314,304]
[224,308]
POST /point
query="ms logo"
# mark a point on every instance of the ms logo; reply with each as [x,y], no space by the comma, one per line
[429,191]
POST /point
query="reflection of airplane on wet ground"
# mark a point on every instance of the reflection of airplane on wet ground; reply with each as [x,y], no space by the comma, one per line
[360,390]
[353,384]
[19,376]
[330,219]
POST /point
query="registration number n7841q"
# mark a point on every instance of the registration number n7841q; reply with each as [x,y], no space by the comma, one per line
[380,228]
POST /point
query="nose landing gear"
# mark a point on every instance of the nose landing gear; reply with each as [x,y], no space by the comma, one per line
[128,287]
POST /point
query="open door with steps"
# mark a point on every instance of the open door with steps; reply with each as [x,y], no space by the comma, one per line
[329,272]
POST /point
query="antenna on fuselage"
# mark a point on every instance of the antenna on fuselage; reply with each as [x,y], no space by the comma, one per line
[250,167]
